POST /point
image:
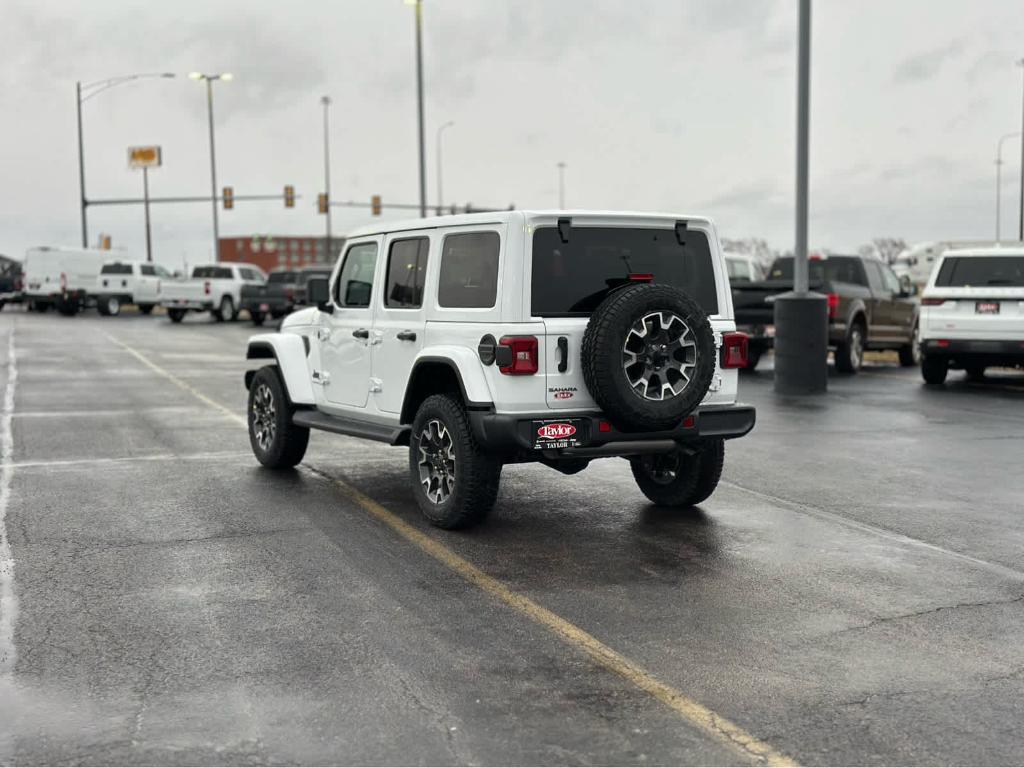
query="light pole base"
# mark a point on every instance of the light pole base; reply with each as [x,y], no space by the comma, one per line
[801,343]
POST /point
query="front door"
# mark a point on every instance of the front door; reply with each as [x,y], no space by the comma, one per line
[400,318]
[345,335]
[903,309]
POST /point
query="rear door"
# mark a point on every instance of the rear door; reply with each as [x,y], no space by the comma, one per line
[400,318]
[570,279]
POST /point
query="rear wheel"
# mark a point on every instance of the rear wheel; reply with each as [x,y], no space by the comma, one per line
[176,315]
[455,483]
[680,478]
[68,308]
[975,372]
[111,306]
[276,442]
[225,310]
[753,358]
[934,369]
[850,354]
[257,317]
[145,308]
[910,354]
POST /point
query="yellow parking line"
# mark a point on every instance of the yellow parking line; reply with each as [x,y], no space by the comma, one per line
[744,744]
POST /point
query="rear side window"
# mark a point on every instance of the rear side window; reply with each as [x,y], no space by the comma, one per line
[215,273]
[572,278]
[355,283]
[966,271]
[148,270]
[469,270]
[281,277]
[116,269]
[407,269]
[833,269]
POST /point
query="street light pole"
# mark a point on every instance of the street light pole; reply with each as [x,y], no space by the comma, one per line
[801,317]
[999,180]
[226,76]
[1020,225]
[82,94]
[326,101]
[440,192]
[561,186]
[419,103]
[145,197]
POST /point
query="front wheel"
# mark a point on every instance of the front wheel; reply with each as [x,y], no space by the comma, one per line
[455,483]
[145,308]
[680,478]
[176,315]
[850,354]
[257,317]
[68,308]
[276,442]
[753,358]
[934,369]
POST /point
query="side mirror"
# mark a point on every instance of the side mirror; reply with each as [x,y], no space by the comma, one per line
[318,293]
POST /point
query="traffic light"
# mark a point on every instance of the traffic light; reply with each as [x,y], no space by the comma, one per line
[375,205]
[289,196]
[321,202]
[229,198]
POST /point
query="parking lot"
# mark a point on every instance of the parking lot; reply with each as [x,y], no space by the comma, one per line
[853,593]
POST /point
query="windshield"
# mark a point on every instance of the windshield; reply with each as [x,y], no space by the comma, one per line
[572,278]
[965,271]
[834,269]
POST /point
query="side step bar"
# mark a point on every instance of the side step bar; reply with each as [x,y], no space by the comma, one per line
[351,427]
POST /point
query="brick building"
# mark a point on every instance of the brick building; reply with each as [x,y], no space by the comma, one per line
[272,251]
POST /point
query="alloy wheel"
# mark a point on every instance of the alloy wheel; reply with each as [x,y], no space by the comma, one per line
[437,466]
[659,356]
[264,417]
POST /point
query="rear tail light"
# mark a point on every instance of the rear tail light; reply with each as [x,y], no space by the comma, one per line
[932,302]
[833,304]
[641,277]
[734,350]
[206,287]
[942,342]
[63,282]
[517,355]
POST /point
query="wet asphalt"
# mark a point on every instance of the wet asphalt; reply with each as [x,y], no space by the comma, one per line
[852,594]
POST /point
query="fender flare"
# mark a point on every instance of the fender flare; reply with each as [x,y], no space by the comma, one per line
[859,307]
[288,351]
[468,370]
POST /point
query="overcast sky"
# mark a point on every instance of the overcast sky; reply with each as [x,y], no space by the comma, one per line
[672,106]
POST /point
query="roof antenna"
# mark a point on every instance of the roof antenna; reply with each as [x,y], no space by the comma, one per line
[563,229]
[681,232]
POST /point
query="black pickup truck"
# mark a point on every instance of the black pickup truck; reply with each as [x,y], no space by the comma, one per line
[284,290]
[868,308]
[10,281]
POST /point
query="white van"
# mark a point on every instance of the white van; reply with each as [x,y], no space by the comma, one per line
[60,277]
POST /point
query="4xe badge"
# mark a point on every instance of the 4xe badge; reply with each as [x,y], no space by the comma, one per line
[556,431]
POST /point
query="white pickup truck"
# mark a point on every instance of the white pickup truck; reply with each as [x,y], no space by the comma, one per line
[214,288]
[483,340]
[129,282]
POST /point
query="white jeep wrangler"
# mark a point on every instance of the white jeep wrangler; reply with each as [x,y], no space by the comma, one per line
[499,338]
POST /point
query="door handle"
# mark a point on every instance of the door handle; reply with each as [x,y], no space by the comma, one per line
[361,333]
[406,336]
[563,354]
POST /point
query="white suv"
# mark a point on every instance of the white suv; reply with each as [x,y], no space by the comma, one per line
[972,313]
[499,338]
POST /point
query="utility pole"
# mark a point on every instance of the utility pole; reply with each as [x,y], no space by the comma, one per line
[81,164]
[1020,225]
[326,101]
[801,317]
[225,76]
[561,186]
[419,104]
[440,191]
[999,181]
[145,197]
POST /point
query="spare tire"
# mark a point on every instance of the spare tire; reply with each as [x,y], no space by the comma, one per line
[648,356]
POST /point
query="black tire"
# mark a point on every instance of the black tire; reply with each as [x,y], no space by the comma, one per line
[101,307]
[934,369]
[176,315]
[225,311]
[753,358]
[68,308]
[850,354]
[257,317]
[471,479]
[910,354]
[40,306]
[276,442]
[975,372]
[679,479]
[145,308]
[607,371]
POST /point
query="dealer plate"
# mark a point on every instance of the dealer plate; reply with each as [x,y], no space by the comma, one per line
[551,434]
[986,307]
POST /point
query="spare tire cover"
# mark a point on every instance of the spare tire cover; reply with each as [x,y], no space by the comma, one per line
[648,356]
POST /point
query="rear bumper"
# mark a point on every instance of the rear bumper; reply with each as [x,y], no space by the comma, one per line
[198,306]
[272,305]
[511,433]
[976,351]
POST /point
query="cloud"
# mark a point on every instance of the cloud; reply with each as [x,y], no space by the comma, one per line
[924,66]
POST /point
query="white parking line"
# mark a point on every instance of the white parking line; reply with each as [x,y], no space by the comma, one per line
[8,600]
[55,464]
